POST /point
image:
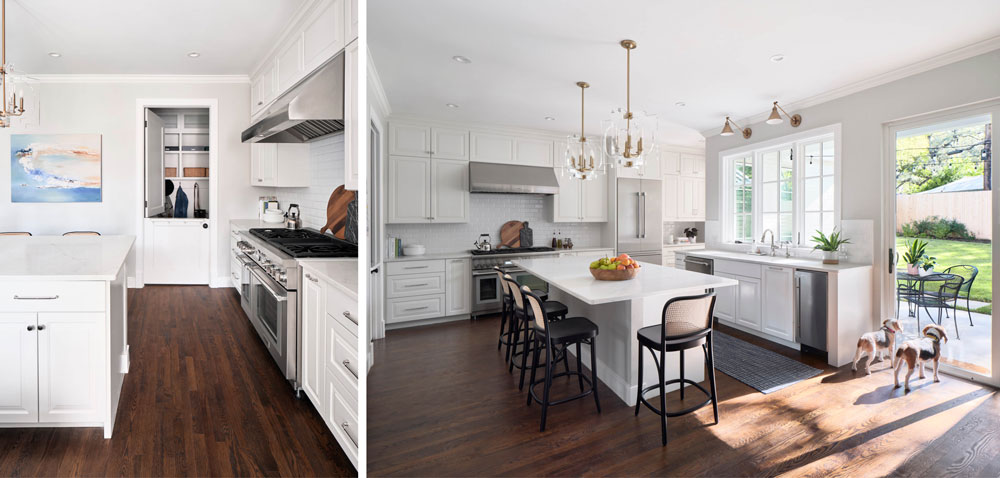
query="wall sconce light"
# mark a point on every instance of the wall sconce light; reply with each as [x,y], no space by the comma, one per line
[775,118]
[727,130]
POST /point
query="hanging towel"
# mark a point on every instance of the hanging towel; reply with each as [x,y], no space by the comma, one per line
[181,206]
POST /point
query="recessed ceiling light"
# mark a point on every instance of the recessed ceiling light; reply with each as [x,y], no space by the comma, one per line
[777,58]
[461,59]
[680,104]
[194,54]
[451,105]
[55,54]
[550,118]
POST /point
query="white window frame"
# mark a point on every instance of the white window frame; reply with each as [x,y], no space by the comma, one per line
[800,238]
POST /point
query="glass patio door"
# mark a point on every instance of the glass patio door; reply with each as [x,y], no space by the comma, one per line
[940,235]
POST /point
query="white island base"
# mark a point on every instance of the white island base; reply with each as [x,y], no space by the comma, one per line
[63,338]
[620,309]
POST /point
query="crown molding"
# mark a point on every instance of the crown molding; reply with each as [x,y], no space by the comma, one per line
[161,79]
[375,90]
[286,33]
[931,63]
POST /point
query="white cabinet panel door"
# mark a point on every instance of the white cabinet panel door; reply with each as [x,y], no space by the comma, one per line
[409,139]
[671,194]
[725,301]
[491,148]
[352,121]
[71,367]
[18,368]
[313,333]
[779,302]
[409,190]
[748,303]
[450,190]
[689,188]
[458,295]
[534,152]
[154,164]
[450,144]
[670,162]
[324,35]
[651,169]
[289,64]
[692,165]
[263,164]
[566,205]
[594,199]
[176,251]
[699,200]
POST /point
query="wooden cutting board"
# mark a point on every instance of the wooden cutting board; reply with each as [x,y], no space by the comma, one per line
[336,211]
[510,234]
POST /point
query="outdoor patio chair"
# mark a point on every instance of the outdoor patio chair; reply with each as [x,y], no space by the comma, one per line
[938,291]
[969,274]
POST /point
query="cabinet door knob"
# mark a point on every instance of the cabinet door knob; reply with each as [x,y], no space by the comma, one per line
[31,327]
[41,327]
[260,103]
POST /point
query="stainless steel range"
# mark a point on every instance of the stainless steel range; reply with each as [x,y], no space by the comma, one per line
[486,291]
[270,280]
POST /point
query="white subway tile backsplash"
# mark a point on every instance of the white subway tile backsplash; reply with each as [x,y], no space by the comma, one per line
[326,172]
[487,213]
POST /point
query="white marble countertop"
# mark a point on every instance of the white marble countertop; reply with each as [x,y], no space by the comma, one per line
[342,272]
[780,260]
[63,257]
[247,224]
[572,275]
[464,254]
[685,245]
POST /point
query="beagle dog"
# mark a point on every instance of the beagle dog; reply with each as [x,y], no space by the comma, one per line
[917,351]
[876,343]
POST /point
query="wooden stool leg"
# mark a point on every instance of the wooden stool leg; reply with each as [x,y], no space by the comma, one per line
[682,374]
[548,381]
[524,356]
[515,323]
[711,379]
[503,323]
[534,366]
[579,367]
[638,394]
[593,371]
[663,398]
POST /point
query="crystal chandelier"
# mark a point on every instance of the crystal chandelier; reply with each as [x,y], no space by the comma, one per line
[580,152]
[628,137]
[13,106]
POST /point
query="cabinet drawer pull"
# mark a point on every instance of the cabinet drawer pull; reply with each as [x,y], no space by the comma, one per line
[347,314]
[411,309]
[48,297]
[415,267]
[41,327]
[417,285]
[345,427]
[31,327]
[347,365]
[774,268]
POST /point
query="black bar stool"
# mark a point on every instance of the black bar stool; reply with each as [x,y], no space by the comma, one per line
[686,323]
[506,314]
[565,332]
[554,311]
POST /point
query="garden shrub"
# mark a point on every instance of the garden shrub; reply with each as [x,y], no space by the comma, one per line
[934,227]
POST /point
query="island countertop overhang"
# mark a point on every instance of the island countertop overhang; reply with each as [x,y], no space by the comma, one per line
[77,258]
[571,275]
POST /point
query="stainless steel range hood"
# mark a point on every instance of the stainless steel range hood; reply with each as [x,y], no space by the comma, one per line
[312,109]
[507,178]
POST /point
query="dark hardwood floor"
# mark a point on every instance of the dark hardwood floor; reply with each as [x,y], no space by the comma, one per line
[441,403]
[202,398]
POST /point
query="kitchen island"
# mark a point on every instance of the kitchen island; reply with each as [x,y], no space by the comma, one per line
[63,336]
[620,309]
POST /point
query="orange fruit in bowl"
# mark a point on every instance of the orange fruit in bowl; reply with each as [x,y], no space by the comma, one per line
[621,267]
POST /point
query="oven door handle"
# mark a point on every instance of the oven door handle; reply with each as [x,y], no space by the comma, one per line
[264,282]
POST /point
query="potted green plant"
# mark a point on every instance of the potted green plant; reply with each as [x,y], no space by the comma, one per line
[830,245]
[915,251]
[927,265]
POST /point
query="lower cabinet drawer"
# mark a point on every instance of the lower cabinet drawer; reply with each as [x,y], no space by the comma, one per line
[52,296]
[414,308]
[415,284]
[343,308]
[414,267]
[343,352]
[744,269]
[341,415]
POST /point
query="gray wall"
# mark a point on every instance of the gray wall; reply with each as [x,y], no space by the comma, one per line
[862,116]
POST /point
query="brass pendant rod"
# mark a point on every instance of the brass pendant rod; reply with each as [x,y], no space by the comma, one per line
[3,67]
[628,87]
[582,89]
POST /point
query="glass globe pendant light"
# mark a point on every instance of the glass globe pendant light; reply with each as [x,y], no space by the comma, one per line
[583,160]
[628,136]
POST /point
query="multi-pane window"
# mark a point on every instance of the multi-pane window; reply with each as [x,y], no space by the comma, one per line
[788,189]
[742,174]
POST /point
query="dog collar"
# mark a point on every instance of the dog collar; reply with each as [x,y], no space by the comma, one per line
[932,337]
[888,330]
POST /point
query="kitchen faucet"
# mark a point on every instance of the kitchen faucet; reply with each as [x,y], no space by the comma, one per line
[762,236]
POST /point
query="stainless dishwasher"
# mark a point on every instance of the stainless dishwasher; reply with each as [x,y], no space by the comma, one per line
[698,264]
[810,305]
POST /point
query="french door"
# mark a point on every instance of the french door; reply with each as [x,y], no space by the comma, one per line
[940,190]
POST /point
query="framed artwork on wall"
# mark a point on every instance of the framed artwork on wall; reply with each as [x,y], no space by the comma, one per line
[55,168]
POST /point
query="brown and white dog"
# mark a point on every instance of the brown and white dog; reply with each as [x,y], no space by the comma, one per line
[917,351]
[876,343]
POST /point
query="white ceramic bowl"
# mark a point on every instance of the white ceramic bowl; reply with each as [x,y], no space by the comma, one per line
[274,215]
[414,250]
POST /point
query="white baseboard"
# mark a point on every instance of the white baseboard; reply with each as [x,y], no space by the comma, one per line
[418,323]
[221,282]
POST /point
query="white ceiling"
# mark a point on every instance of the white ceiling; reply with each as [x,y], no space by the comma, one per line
[143,37]
[713,56]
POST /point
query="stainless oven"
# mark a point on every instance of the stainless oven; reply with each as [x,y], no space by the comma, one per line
[487,295]
[273,316]
[245,264]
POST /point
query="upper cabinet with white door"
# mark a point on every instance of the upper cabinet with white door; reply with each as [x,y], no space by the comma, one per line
[524,150]
[580,200]
[683,175]
[428,174]
[650,169]
[294,165]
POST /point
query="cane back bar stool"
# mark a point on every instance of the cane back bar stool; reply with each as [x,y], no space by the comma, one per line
[506,336]
[686,323]
[550,335]
[523,331]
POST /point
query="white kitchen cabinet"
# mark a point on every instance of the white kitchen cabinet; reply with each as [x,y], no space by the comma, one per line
[262,89]
[594,199]
[324,33]
[491,148]
[579,200]
[692,165]
[725,301]
[691,198]
[415,308]
[458,293]
[423,190]
[670,162]
[70,374]
[449,191]
[650,169]
[313,334]
[176,251]
[447,143]
[289,64]
[279,165]
[748,302]
[671,192]
[534,152]
[778,310]
[352,20]
[407,139]
[351,117]
[18,368]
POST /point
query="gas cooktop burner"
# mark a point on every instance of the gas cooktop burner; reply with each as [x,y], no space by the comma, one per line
[306,243]
[512,250]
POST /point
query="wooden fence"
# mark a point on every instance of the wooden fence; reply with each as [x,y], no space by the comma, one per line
[972,208]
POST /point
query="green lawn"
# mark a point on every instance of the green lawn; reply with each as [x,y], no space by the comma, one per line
[949,253]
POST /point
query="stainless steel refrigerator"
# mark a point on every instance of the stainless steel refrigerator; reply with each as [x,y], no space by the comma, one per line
[640,219]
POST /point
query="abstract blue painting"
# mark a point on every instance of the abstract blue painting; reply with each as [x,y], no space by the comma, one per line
[55,168]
